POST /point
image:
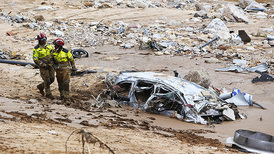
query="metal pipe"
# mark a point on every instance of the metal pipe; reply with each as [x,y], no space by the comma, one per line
[17,63]
[257,9]
[81,73]
[145,30]
[216,38]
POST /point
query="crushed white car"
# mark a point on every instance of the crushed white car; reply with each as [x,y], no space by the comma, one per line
[169,95]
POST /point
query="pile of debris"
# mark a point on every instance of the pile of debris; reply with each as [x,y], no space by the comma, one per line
[205,34]
[7,54]
[211,38]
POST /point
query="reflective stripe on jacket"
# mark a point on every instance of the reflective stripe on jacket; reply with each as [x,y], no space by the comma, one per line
[40,53]
[63,59]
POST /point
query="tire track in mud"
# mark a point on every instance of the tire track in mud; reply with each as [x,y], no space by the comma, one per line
[130,14]
[76,14]
[101,17]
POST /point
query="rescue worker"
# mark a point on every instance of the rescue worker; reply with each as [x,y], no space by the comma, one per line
[42,57]
[64,63]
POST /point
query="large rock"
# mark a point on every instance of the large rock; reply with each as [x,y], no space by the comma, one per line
[201,14]
[218,28]
[137,4]
[250,4]
[255,5]
[232,12]
[200,77]
[199,7]
[174,23]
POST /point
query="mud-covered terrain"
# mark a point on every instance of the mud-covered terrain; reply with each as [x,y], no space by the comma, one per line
[31,123]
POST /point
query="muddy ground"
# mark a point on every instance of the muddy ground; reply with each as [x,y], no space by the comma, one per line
[27,117]
[30,123]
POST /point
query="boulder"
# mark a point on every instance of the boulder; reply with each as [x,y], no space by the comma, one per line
[255,5]
[199,7]
[201,14]
[218,28]
[200,77]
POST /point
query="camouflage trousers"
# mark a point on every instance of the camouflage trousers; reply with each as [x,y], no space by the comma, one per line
[47,75]
[63,79]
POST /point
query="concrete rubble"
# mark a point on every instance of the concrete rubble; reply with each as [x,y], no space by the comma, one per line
[164,36]
[235,14]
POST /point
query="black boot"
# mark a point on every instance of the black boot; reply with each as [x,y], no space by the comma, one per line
[41,89]
[50,96]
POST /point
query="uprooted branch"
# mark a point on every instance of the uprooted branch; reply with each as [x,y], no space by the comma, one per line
[88,137]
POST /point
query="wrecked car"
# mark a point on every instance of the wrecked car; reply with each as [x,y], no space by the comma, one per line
[171,96]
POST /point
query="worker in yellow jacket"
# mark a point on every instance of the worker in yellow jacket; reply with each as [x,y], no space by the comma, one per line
[64,63]
[42,57]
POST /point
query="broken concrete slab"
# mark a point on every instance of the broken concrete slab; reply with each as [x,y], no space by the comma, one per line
[232,12]
[229,114]
[201,14]
[255,6]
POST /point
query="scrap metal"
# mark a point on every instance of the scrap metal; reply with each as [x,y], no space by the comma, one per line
[169,95]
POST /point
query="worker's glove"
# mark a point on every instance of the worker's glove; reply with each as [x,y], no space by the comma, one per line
[73,71]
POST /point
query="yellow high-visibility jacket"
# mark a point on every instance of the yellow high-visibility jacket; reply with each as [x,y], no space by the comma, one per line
[63,59]
[42,54]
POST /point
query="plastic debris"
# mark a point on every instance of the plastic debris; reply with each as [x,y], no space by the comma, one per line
[240,98]
[263,78]
[261,68]
[52,132]
[233,68]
